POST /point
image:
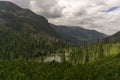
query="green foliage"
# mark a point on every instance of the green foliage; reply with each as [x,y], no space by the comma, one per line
[26,37]
[83,54]
[21,69]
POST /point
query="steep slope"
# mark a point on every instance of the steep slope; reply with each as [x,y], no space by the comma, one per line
[25,34]
[4,5]
[113,39]
[77,34]
[15,18]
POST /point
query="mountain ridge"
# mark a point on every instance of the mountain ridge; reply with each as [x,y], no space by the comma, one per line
[25,16]
[78,34]
[11,10]
[115,38]
[25,34]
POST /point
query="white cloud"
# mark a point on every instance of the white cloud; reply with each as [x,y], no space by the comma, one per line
[85,13]
[89,14]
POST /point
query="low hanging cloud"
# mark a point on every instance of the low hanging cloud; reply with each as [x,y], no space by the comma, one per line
[101,15]
[48,8]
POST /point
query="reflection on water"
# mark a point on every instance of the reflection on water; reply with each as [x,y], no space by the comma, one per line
[53,58]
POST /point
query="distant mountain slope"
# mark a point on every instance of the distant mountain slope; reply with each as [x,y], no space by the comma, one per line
[114,38]
[77,34]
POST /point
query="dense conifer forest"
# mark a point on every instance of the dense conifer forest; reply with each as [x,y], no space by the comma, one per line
[26,39]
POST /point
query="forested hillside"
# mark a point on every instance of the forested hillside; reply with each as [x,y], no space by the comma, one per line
[27,38]
[113,39]
[25,34]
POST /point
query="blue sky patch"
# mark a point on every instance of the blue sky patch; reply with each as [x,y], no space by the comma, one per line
[112,9]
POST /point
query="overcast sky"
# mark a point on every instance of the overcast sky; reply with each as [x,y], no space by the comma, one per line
[101,15]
